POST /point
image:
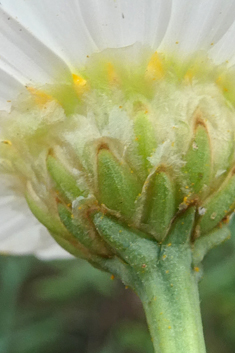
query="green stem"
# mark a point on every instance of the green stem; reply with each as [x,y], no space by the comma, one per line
[169,294]
[163,277]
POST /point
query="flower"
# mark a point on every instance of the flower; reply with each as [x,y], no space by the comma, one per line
[47,65]
[117,128]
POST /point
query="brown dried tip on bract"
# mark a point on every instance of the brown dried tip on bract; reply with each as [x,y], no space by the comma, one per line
[102,146]
[198,119]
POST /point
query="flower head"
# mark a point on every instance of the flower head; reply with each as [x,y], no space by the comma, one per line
[140,133]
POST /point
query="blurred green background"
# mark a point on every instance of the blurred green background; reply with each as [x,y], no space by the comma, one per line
[67,306]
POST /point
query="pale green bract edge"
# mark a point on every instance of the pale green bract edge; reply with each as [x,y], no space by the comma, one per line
[131,166]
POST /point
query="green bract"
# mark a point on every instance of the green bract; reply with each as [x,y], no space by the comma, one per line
[142,141]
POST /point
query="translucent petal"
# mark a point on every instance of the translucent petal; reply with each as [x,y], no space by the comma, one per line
[20,232]
[25,57]
[49,249]
[9,89]
[76,28]
[59,25]
[122,23]
[196,25]
[224,50]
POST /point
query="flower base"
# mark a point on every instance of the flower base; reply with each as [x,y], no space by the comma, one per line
[164,275]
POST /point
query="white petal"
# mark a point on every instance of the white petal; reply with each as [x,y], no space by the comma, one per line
[50,249]
[25,57]
[9,89]
[20,232]
[122,23]
[197,25]
[76,29]
[58,24]
[224,50]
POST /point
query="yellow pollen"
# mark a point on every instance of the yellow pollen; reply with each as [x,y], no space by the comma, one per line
[220,82]
[189,76]
[112,277]
[80,84]
[186,199]
[155,68]
[78,80]
[112,75]
[40,97]
[197,269]
[219,79]
[7,142]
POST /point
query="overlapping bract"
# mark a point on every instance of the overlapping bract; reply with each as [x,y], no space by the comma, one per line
[139,143]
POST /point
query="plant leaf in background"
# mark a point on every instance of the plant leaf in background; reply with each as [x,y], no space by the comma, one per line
[68,306]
